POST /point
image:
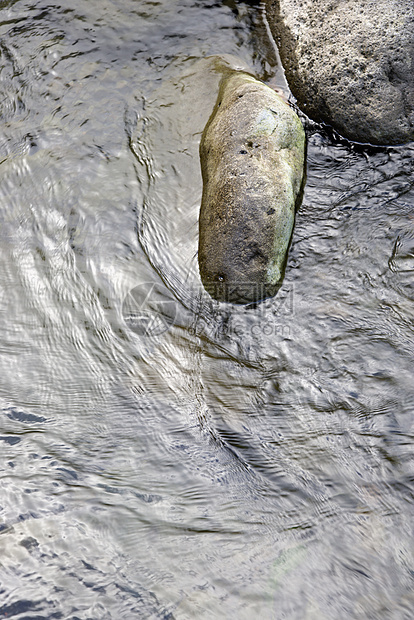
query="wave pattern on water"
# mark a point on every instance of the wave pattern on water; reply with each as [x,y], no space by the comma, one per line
[164,455]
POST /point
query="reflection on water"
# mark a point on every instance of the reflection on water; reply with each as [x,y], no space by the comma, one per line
[163,455]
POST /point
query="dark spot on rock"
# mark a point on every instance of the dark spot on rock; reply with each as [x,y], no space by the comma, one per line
[254,252]
[243,152]
[270,211]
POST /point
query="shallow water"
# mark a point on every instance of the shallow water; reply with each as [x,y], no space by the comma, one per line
[163,455]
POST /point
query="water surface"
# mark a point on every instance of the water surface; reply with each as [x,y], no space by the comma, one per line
[164,455]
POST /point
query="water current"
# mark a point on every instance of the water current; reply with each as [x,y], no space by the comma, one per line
[163,455]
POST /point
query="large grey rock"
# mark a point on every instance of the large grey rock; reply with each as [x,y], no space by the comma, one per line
[350,63]
[252,161]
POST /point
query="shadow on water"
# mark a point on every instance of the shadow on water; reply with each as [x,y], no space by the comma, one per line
[164,455]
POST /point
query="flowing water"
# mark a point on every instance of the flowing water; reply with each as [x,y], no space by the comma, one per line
[164,455]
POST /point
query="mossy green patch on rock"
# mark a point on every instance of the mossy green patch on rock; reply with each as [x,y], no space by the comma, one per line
[252,161]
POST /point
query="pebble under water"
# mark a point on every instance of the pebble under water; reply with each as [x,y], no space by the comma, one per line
[164,455]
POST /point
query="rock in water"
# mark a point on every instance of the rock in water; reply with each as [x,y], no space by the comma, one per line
[252,162]
[350,63]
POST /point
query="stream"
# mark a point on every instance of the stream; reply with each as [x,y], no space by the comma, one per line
[163,455]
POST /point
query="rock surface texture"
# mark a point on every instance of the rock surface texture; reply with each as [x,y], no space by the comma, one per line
[350,63]
[252,161]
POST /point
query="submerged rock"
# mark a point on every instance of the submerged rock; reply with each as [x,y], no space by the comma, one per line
[252,160]
[350,64]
